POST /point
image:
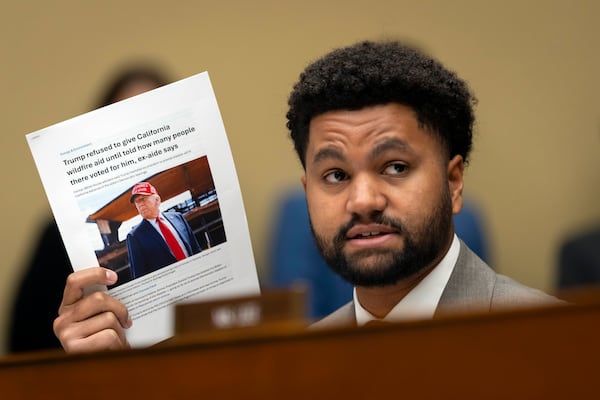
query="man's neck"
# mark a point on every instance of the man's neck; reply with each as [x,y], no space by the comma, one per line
[380,300]
[153,219]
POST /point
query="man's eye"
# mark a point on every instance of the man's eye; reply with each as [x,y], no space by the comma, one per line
[395,169]
[335,176]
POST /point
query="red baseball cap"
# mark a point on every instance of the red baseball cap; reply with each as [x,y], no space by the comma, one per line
[144,188]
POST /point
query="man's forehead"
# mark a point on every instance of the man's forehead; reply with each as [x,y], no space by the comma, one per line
[385,144]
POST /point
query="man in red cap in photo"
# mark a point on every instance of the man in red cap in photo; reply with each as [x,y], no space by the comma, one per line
[161,238]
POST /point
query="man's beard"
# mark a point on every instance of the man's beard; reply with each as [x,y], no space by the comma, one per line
[423,244]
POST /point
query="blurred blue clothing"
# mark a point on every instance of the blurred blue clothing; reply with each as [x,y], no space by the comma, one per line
[295,258]
[469,225]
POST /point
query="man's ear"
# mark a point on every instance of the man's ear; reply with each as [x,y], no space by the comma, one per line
[456,168]
[303,180]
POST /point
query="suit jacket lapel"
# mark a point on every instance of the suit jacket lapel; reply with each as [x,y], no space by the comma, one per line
[342,316]
[470,287]
[176,224]
[152,234]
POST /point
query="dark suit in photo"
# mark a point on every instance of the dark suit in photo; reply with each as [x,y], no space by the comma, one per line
[148,251]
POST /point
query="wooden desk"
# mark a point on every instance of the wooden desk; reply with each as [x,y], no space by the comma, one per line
[529,354]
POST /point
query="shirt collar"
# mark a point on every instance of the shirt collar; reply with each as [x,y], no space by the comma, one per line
[153,220]
[421,302]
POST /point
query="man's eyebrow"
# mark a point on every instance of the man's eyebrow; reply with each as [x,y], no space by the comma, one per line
[386,145]
[328,153]
[390,144]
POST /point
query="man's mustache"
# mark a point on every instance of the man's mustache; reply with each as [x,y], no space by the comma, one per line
[375,218]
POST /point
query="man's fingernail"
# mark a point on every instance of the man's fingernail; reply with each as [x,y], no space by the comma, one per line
[111,276]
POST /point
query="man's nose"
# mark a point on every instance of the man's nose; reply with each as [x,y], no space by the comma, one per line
[365,195]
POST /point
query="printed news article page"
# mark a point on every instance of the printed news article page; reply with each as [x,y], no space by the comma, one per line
[173,138]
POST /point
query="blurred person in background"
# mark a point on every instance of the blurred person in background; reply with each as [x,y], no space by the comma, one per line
[579,261]
[43,275]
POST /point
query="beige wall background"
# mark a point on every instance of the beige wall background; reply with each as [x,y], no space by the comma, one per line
[533,65]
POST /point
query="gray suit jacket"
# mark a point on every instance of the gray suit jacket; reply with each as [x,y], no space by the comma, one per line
[473,287]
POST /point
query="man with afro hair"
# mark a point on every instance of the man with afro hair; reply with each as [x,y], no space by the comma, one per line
[383,132]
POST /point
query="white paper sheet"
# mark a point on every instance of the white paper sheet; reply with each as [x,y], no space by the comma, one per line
[88,165]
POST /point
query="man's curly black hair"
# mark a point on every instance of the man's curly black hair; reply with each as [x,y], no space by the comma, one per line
[376,73]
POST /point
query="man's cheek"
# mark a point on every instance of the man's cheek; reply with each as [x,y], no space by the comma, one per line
[316,219]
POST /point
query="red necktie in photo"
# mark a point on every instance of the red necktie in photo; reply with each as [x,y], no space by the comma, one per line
[171,241]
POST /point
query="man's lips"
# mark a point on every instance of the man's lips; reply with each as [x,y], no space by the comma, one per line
[369,231]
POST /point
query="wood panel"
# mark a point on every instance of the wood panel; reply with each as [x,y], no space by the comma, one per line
[533,354]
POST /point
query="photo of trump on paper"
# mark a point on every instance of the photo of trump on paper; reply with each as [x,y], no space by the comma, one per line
[162,238]
[130,238]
